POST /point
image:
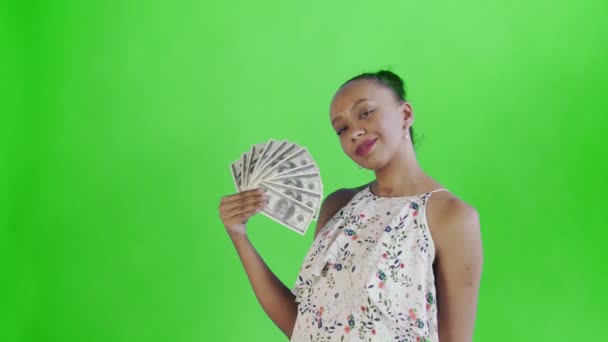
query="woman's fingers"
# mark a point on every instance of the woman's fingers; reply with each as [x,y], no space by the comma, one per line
[244,216]
[250,207]
[243,202]
[239,196]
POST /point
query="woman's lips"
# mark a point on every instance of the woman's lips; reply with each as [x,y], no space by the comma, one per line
[365,147]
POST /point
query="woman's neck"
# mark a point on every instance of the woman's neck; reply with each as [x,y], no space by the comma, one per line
[401,178]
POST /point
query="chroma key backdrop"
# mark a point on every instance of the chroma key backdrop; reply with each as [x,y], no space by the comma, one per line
[119,120]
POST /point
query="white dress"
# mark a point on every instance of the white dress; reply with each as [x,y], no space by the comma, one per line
[368,275]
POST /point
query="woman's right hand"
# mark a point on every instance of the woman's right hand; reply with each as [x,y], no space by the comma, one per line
[236,209]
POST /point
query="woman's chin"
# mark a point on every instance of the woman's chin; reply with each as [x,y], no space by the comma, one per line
[366,164]
[370,161]
[373,163]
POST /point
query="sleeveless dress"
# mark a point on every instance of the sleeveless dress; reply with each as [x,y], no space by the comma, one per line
[368,275]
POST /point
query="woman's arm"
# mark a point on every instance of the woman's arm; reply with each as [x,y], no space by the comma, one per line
[458,273]
[276,299]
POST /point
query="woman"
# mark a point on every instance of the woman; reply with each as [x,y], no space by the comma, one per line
[389,262]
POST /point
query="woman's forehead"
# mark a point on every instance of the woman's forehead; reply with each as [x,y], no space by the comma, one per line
[353,92]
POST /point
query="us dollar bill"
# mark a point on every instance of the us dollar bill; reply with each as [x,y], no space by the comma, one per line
[254,155]
[287,170]
[268,155]
[237,174]
[309,198]
[289,161]
[276,158]
[245,167]
[269,147]
[286,211]
[306,182]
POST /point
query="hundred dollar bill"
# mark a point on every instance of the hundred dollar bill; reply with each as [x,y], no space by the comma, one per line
[237,174]
[295,159]
[245,167]
[291,177]
[287,170]
[309,198]
[275,158]
[307,182]
[267,155]
[269,147]
[284,210]
[254,155]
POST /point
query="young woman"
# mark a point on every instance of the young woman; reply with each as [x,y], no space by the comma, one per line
[396,259]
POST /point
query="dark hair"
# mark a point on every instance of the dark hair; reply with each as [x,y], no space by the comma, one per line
[387,79]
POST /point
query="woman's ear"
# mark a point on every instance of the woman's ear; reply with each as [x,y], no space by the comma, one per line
[408,114]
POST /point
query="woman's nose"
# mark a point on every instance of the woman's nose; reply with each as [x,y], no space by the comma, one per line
[357,133]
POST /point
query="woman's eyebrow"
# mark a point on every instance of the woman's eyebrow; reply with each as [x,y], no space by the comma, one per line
[351,108]
[356,103]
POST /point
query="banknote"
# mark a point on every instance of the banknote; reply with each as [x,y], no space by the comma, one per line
[269,147]
[237,173]
[254,156]
[286,170]
[284,210]
[288,161]
[245,167]
[307,182]
[274,159]
[268,155]
[291,176]
[309,198]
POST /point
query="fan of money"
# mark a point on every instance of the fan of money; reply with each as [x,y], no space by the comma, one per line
[291,178]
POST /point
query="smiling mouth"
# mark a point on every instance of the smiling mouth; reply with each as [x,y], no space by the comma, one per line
[364,149]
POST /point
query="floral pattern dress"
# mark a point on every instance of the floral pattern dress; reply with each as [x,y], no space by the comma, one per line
[368,275]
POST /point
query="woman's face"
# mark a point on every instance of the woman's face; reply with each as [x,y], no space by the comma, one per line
[380,119]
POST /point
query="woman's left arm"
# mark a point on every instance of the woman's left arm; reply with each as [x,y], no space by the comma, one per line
[458,271]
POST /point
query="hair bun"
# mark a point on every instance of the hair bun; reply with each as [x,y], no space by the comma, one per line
[391,76]
[386,78]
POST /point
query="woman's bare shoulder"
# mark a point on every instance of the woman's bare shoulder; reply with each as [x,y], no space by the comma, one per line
[341,197]
[445,206]
[446,213]
[334,202]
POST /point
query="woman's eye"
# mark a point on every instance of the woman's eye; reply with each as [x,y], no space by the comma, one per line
[367,113]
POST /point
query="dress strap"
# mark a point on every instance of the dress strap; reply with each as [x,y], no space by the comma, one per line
[427,196]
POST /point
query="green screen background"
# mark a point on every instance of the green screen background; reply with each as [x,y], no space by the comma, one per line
[119,120]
